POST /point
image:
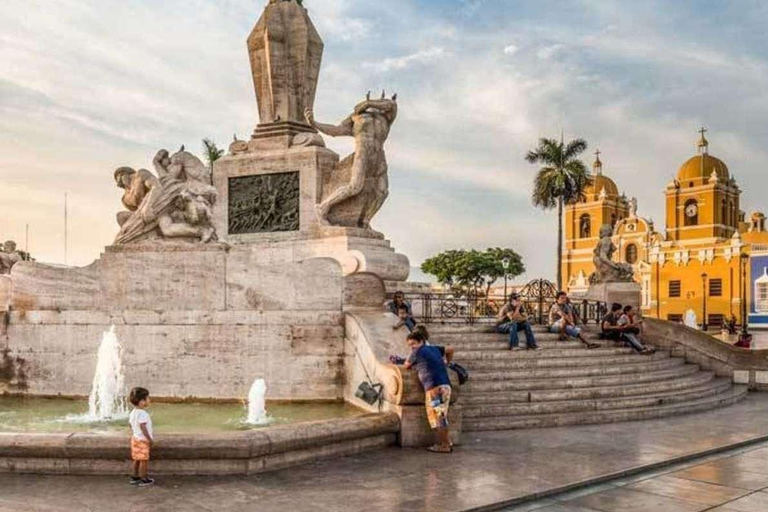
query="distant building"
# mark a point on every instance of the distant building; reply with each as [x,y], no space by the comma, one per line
[697,258]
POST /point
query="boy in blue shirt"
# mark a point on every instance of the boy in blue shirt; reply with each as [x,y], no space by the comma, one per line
[430,363]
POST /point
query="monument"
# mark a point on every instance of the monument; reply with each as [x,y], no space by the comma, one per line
[253,268]
[612,282]
[283,186]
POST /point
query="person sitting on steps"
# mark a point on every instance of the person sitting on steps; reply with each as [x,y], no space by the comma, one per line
[511,320]
[562,321]
[398,301]
[618,326]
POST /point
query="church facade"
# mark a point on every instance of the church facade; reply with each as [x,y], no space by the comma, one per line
[705,261]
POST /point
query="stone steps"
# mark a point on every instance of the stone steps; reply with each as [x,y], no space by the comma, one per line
[579,382]
[731,396]
[697,379]
[566,384]
[662,398]
[577,371]
[581,352]
[555,362]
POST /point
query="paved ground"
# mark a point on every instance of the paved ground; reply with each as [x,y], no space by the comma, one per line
[489,468]
[732,482]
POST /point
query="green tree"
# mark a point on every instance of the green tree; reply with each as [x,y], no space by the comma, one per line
[561,180]
[212,152]
[470,271]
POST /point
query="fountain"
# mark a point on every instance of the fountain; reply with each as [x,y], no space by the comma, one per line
[107,399]
[257,412]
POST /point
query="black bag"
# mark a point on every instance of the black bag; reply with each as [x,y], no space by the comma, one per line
[460,371]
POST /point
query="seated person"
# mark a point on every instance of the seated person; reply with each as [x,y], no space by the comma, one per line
[562,321]
[430,363]
[405,318]
[398,301]
[512,319]
[617,326]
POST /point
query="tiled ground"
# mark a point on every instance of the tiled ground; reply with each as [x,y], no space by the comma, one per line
[490,468]
[731,482]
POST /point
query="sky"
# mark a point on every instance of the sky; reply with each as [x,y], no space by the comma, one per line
[87,86]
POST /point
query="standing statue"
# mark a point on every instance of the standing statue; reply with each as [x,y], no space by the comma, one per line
[607,270]
[9,256]
[369,124]
[177,203]
[633,207]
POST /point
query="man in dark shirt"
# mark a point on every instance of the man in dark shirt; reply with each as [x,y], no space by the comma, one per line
[406,318]
[616,327]
[430,364]
[513,318]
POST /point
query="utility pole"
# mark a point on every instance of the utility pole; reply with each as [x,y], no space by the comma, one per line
[65,227]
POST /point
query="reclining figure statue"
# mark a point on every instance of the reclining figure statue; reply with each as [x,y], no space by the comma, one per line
[176,203]
[369,124]
[607,270]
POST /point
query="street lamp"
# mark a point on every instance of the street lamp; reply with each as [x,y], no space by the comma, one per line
[505,262]
[704,303]
[743,259]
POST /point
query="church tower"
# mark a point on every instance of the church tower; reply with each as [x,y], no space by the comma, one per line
[703,201]
[601,204]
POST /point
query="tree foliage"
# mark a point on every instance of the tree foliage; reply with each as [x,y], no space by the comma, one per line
[472,271]
[212,152]
[561,180]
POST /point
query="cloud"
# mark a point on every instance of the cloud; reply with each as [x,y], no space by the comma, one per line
[510,49]
[420,57]
[549,51]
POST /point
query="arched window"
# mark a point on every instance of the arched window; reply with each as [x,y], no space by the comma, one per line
[613,219]
[585,226]
[724,214]
[691,212]
[734,214]
[631,254]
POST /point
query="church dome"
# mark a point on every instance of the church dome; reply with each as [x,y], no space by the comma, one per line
[702,166]
[598,183]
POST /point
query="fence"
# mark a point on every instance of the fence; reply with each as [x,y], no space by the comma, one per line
[537,296]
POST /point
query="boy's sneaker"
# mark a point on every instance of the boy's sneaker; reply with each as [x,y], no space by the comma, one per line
[135,480]
[146,482]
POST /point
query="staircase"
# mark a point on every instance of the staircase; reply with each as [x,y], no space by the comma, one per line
[567,384]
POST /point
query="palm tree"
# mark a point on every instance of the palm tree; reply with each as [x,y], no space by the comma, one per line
[212,152]
[560,181]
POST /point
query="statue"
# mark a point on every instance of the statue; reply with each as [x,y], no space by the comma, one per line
[9,256]
[369,124]
[633,207]
[177,203]
[606,270]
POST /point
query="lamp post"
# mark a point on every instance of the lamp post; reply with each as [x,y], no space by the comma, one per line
[743,259]
[704,301]
[505,262]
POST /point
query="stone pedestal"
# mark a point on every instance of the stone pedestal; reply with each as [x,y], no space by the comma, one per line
[626,294]
[268,198]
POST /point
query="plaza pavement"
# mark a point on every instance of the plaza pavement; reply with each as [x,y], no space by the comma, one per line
[489,471]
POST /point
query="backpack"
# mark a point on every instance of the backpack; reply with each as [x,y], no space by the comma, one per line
[462,372]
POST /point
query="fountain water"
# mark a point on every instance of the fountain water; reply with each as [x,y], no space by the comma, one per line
[107,399]
[257,412]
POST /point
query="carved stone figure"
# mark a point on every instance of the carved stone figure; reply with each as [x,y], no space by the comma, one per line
[176,203]
[607,270]
[9,256]
[633,207]
[369,124]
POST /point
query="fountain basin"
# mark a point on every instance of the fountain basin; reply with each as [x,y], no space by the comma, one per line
[215,453]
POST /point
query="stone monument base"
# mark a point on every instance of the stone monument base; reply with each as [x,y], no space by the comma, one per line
[626,294]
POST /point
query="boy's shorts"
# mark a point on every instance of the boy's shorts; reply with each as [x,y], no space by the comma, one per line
[139,450]
[438,400]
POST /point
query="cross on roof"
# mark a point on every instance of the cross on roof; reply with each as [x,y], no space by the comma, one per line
[702,131]
[598,153]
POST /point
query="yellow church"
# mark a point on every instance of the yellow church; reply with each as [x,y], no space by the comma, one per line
[700,263]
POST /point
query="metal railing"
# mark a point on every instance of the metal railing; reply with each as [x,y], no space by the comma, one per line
[537,297]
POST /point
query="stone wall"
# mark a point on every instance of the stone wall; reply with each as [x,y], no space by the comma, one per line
[200,322]
[744,365]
